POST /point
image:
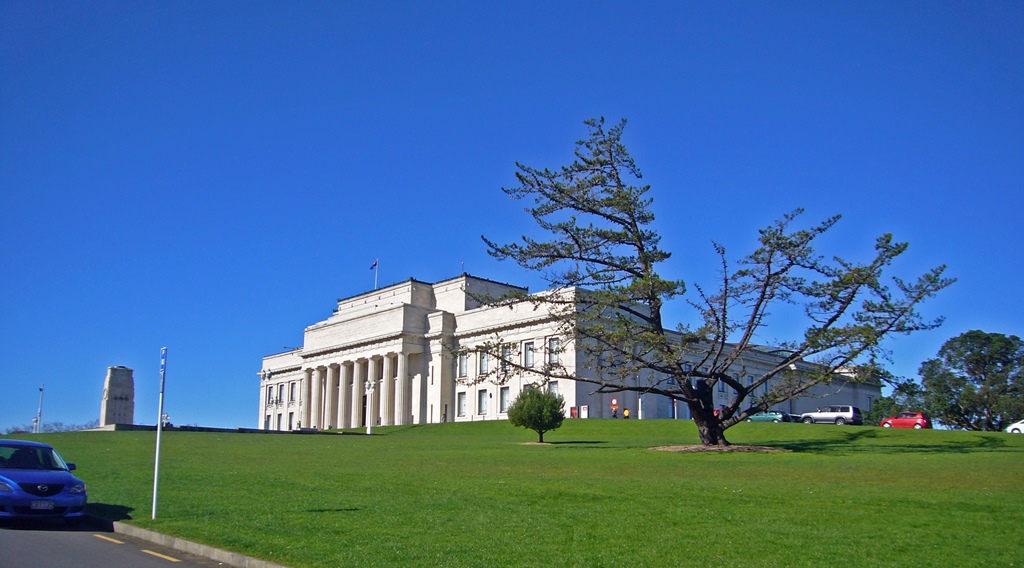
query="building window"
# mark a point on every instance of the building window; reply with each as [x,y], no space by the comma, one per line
[270,395]
[279,417]
[485,361]
[553,350]
[750,381]
[291,420]
[687,367]
[506,354]
[460,404]
[291,395]
[503,400]
[481,402]
[463,364]
[528,354]
[266,423]
[721,386]
[553,387]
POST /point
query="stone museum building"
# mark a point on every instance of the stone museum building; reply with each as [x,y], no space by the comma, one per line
[405,337]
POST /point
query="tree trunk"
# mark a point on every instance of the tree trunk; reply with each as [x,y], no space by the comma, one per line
[709,426]
[710,429]
[541,434]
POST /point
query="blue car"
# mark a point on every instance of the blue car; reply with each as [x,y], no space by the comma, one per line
[35,482]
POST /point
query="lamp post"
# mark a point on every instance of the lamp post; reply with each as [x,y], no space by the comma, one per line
[370,385]
[39,415]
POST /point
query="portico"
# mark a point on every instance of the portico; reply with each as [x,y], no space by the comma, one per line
[337,397]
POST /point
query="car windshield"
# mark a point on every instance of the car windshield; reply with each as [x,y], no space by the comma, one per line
[30,457]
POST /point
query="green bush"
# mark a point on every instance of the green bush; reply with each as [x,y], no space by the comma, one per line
[538,410]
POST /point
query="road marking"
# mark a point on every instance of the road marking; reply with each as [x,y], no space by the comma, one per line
[114,540]
[158,555]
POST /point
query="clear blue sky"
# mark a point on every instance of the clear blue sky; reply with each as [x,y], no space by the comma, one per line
[211,176]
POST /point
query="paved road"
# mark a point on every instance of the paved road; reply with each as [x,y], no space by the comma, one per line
[50,544]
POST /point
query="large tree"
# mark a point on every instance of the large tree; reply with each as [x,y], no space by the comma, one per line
[600,253]
[976,381]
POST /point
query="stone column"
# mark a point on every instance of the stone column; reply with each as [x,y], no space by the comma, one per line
[316,415]
[358,378]
[372,403]
[402,407]
[345,397]
[331,404]
[387,393]
[304,398]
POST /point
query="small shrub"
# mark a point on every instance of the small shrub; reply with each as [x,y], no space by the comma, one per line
[538,410]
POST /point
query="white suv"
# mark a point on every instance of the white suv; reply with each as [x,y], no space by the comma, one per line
[836,414]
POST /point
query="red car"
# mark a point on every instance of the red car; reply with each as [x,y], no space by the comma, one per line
[914,420]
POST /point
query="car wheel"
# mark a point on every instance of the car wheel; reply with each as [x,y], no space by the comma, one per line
[917,426]
[1015,431]
[750,419]
[887,425]
[808,420]
[840,421]
[776,421]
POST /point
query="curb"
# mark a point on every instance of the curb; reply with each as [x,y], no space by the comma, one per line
[228,558]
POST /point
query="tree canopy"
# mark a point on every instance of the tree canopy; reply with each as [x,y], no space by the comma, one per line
[600,254]
[976,381]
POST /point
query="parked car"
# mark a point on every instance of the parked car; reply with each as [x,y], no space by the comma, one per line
[1016,428]
[36,482]
[915,420]
[769,416]
[836,414]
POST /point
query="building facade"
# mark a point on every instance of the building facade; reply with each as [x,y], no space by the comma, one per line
[414,342]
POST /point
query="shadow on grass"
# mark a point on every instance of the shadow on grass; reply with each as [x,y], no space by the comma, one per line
[861,441]
[582,442]
[338,510]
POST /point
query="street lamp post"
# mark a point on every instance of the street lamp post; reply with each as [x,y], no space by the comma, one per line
[39,415]
[370,385]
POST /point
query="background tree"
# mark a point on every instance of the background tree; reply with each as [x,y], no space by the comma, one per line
[976,381]
[601,254]
[538,410]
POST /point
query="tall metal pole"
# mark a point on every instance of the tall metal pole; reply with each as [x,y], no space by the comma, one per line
[39,414]
[159,426]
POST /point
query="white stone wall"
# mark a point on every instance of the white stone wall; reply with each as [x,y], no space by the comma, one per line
[118,403]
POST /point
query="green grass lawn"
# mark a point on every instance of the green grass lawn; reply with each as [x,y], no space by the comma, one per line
[476,495]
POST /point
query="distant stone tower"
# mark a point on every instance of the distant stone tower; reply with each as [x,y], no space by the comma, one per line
[118,405]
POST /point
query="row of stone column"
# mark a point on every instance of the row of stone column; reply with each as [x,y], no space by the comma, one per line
[333,394]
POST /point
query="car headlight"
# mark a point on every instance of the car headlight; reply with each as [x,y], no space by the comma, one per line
[4,488]
[77,488]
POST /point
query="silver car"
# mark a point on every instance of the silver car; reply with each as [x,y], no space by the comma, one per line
[1016,427]
[838,414]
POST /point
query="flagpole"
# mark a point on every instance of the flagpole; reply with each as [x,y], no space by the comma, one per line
[376,267]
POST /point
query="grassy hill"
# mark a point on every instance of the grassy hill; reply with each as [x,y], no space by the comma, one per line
[476,495]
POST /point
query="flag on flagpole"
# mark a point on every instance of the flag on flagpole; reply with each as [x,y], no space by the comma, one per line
[374,265]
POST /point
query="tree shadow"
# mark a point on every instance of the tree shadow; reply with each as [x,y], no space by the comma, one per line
[583,442]
[853,442]
[337,510]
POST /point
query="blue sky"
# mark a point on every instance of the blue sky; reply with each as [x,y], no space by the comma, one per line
[211,176]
